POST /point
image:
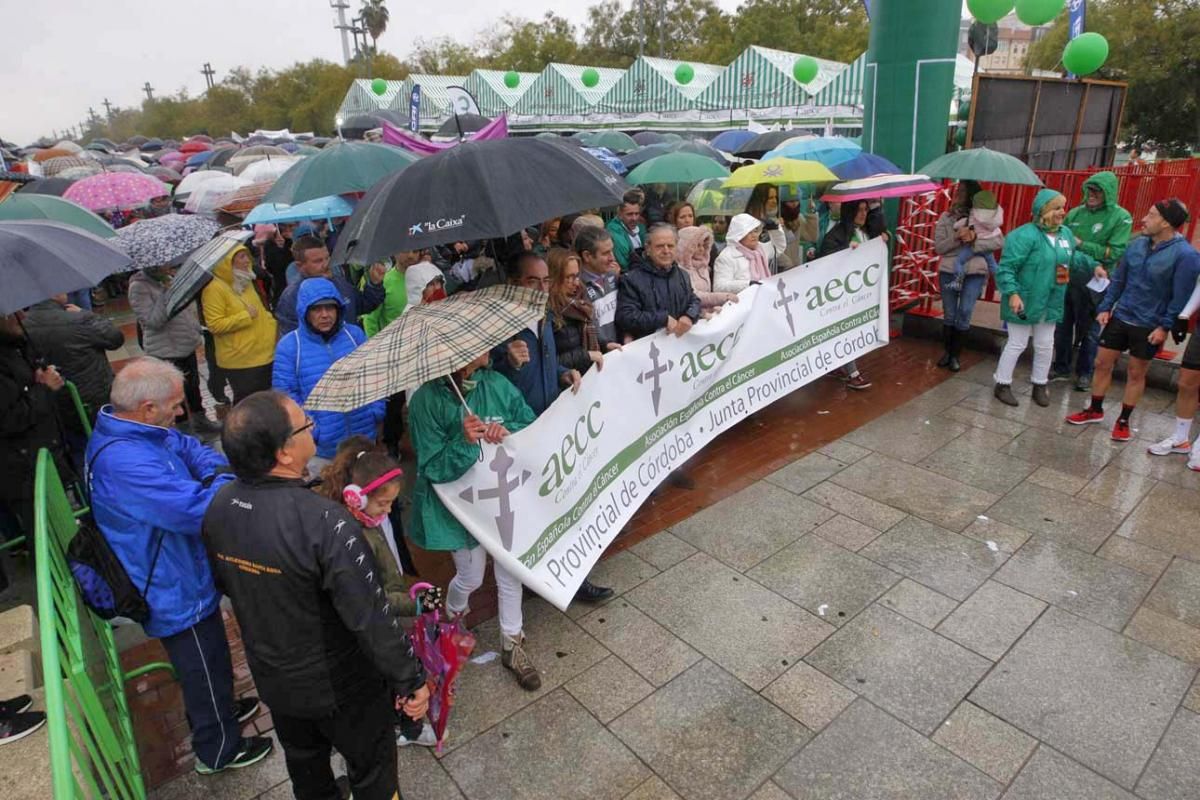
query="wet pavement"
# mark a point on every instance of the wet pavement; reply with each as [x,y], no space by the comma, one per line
[947,598]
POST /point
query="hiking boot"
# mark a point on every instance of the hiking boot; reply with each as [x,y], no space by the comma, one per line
[1083,383]
[1041,395]
[589,592]
[1121,432]
[514,657]
[858,382]
[20,725]
[1003,392]
[1194,460]
[253,750]
[1085,417]
[427,737]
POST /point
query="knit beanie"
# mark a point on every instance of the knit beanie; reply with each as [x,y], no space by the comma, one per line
[1173,211]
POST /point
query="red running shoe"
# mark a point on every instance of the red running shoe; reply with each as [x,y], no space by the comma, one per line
[1085,417]
[1121,432]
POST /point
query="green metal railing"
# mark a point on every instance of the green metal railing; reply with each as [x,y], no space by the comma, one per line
[92,749]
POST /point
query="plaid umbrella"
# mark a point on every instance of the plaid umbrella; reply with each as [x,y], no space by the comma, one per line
[60,164]
[51,152]
[241,201]
[426,342]
[118,190]
[158,241]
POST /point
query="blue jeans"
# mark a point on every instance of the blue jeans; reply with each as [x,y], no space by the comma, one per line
[1078,329]
[200,655]
[958,306]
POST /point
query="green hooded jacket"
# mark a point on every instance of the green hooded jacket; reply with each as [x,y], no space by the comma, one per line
[1104,233]
[622,247]
[395,297]
[443,453]
[1028,268]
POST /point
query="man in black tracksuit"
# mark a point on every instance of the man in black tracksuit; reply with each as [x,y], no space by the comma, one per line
[325,648]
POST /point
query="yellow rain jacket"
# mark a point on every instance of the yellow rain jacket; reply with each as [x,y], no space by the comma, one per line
[242,341]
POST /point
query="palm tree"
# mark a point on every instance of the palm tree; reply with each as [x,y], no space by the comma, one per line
[374,15]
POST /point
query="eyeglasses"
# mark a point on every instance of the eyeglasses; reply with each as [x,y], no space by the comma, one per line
[309,422]
[535,283]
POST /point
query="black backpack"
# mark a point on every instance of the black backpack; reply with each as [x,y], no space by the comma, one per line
[103,582]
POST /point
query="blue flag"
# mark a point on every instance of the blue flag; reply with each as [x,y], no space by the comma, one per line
[1078,20]
[414,109]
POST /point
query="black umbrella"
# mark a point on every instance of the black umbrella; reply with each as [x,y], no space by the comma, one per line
[39,259]
[649,137]
[222,156]
[462,124]
[476,190]
[54,186]
[764,142]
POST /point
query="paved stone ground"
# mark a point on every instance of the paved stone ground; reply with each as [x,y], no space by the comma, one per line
[957,600]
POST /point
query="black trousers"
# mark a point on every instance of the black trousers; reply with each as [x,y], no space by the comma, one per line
[361,731]
[246,382]
[216,378]
[191,384]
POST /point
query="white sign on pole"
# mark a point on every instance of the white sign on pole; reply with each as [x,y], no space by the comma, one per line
[549,499]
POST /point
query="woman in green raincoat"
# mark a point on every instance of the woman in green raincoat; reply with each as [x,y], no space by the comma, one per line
[447,440]
[1032,278]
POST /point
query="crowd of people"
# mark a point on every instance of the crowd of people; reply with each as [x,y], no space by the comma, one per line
[302,518]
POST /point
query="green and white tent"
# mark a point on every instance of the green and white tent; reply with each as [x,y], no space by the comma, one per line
[845,90]
[761,78]
[361,99]
[494,97]
[559,91]
[435,103]
[649,86]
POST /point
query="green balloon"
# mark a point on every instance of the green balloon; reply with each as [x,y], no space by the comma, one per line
[1038,12]
[379,86]
[1086,53]
[590,77]
[960,137]
[684,73]
[989,11]
[964,110]
[512,79]
[805,69]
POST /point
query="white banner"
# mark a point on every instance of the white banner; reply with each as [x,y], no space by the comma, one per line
[551,498]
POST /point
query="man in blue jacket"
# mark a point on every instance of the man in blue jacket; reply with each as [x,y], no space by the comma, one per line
[1149,288]
[150,486]
[312,260]
[305,354]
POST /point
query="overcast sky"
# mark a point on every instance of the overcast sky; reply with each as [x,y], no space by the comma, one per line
[54,65]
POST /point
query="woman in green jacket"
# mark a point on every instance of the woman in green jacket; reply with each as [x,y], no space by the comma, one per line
[447,440]
[1032,278]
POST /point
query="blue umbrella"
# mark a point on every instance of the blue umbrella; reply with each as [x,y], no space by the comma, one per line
[202,157]
[328,208]
[827,150]
[39,259]
[731,141]
[608,158]
[864,165]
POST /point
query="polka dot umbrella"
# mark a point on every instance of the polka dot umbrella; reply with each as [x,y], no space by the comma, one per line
[116,190]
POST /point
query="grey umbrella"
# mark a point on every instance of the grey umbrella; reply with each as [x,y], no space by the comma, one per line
[39,259]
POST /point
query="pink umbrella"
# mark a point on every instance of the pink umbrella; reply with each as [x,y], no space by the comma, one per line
[116,190]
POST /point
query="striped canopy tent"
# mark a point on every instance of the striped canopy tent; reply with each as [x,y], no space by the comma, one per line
[435,103]
[762,78]
[494,97]
[845,90]
[559,90]
[650,85]
[361,99]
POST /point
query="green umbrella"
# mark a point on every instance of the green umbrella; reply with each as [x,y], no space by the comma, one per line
[339,169]
[614,140]
[676,168]
[45,206]
[981,164]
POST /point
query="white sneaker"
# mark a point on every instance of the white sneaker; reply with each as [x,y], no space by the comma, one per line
[427,738]
[1169,446]
[1194,460]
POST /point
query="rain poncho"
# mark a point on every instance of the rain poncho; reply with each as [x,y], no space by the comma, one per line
[242,341]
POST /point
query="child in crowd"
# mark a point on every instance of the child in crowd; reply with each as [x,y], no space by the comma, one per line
[368,482]
[985,219]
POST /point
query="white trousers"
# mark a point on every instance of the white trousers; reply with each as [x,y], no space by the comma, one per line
[1043,351]
[470,564]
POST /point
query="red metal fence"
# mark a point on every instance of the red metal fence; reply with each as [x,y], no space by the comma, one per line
[914,273]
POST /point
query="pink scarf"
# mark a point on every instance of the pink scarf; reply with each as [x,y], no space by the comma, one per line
[760,270]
